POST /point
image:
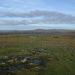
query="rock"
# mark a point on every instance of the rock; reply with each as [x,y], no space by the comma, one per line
[31,63]
[2,63]
[24,60]
[40,67]
[6,57]
[10,61]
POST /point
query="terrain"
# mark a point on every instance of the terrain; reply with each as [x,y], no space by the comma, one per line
[37,52]
[38,32]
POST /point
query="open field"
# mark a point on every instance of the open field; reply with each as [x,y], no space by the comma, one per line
[23,54]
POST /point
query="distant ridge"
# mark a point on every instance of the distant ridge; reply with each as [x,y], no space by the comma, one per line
[38,31]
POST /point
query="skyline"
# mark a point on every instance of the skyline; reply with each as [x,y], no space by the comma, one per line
[37,14]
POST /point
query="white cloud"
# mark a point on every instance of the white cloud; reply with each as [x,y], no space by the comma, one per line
[20,4]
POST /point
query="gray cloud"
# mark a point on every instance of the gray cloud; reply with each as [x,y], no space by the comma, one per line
[14,22]
[37,13]
[46,17]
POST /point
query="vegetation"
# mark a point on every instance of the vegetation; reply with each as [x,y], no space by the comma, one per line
[37,55]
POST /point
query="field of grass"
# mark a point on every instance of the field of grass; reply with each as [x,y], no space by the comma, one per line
[37,54]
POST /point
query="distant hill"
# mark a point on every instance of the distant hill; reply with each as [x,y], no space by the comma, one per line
[39,32]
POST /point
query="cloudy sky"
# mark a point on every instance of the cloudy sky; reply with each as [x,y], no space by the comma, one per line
[37,14]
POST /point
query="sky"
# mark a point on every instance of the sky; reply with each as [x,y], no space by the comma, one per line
[37,14]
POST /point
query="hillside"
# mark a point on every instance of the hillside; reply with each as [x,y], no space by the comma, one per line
[39,32]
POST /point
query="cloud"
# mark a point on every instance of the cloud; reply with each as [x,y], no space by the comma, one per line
[37,13]
[45,17]
[23,5]
[14,22]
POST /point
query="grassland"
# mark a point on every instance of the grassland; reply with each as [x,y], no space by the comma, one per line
[37,54]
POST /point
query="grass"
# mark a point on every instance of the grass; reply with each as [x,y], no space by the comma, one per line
[56,52]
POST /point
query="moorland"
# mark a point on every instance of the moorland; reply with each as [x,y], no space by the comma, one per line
[38,52]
